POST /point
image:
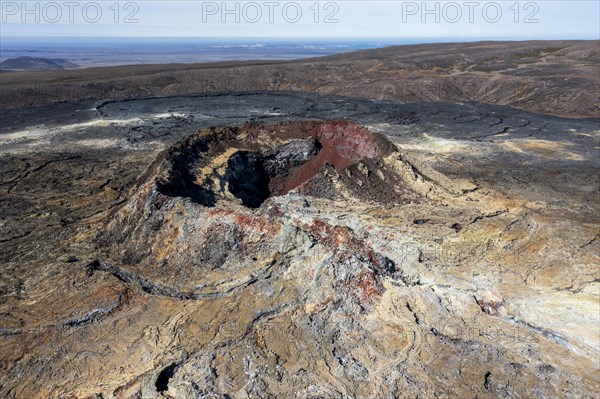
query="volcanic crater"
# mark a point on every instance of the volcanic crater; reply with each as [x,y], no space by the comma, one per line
[254,162]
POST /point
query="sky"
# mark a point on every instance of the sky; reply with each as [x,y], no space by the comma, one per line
[551,19]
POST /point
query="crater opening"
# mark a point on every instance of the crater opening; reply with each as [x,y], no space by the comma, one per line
[255,162]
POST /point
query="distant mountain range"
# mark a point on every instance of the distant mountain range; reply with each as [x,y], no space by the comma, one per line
[35,64]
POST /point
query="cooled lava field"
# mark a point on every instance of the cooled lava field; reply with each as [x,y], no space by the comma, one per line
[278,245]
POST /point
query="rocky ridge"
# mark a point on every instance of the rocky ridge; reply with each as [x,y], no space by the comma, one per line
[558,77]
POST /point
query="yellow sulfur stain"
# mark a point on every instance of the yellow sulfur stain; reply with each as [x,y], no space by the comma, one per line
[543,148]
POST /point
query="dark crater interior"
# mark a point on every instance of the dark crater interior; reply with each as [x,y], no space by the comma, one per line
[247,178]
